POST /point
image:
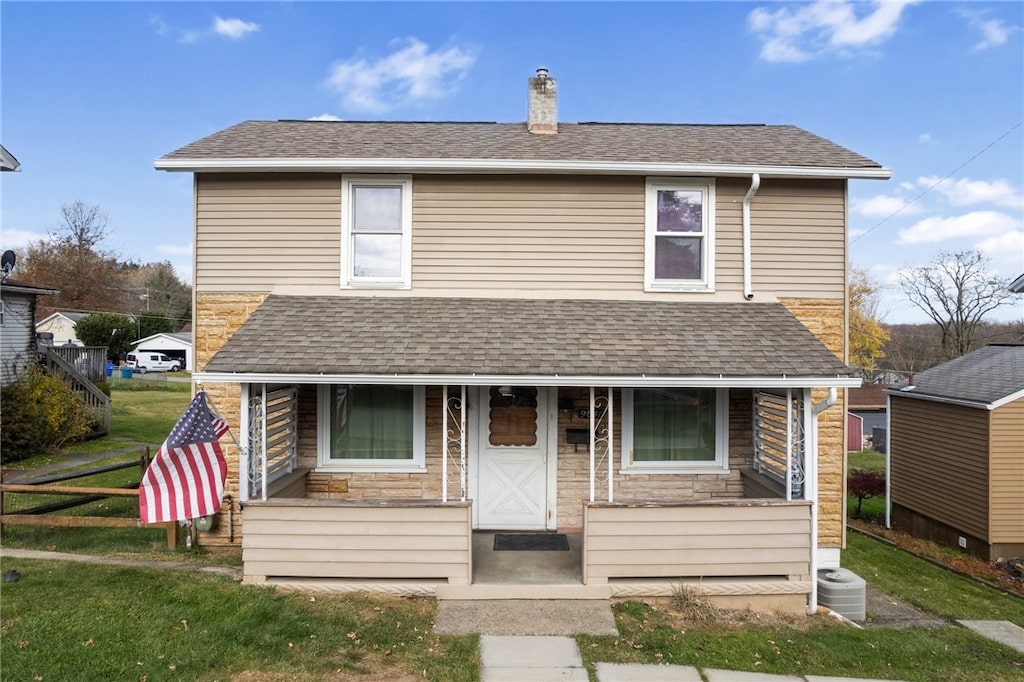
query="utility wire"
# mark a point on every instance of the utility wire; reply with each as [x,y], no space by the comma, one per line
[935,184]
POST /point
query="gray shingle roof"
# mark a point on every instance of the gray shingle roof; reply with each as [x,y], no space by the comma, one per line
[744,145]
[983,376]
[432,336]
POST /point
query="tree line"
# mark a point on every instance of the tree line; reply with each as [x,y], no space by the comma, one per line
[91,277]
[958,293]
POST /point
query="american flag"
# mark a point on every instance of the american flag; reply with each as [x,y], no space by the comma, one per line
[186,478]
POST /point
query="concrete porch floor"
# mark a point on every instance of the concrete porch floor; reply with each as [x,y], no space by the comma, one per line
[526,567]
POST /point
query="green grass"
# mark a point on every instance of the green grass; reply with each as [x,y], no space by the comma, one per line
[86,622]
[866,459]
[826,648]
[927,586]
[141,415]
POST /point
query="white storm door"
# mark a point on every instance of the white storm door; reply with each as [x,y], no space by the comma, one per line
[512,466]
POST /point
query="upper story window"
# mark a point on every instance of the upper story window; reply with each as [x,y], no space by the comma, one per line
[679,243]
[376,226]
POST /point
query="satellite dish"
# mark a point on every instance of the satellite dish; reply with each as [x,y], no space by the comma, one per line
[7,262]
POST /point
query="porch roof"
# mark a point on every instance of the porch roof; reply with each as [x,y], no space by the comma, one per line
[548,342]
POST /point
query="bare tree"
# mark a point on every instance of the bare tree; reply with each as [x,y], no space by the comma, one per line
[956,291]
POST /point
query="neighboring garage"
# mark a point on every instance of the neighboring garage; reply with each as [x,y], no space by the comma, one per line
[956,453]
[177,346]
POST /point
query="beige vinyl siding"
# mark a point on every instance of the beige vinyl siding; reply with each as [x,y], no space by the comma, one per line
[939,453]
[582,234]
[257,231]
[500,232]
[798,239]
[713,539]
[310,538]
[1006,476]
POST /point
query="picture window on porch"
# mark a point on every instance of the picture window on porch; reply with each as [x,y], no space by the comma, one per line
[679,235]
[377,427]
[376,224]
[668,430]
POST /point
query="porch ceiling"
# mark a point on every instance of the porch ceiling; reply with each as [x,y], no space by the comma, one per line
[570,342]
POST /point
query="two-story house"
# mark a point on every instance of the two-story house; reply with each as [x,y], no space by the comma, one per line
[634,334]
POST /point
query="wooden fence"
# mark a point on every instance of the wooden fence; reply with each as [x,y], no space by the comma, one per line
[41,513]
[76,366]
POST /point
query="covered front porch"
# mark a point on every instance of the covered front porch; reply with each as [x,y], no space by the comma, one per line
[680,453]
[745,537]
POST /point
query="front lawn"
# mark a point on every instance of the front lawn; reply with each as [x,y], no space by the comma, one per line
[86,622]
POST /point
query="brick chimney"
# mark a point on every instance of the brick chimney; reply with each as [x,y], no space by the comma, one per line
[542,111]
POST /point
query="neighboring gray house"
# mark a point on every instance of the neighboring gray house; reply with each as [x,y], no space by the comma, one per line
[17,328]
[7,161]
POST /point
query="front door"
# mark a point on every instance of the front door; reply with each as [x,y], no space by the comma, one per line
[512,468]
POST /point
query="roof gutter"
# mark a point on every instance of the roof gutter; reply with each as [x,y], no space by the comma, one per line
[755,183]
[511,166]
[639,381]
[977,404]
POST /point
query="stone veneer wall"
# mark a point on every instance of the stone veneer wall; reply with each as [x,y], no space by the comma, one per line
[574,463]
[826,318]
[218,316]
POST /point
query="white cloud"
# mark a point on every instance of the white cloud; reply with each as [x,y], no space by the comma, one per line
[1006,249]
[233,28]
[994,32]
[325,117]
[853,234]
[883,206]
[161,26]
[924,138]
[175,250]
[411,74]
[965,192]
[969,225]
[797,33]
[16,239]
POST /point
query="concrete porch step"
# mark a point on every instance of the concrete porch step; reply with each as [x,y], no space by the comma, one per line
[523,591]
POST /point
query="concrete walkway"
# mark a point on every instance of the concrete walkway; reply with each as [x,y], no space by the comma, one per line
[532,658]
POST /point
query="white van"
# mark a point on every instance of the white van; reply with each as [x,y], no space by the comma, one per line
[146,361]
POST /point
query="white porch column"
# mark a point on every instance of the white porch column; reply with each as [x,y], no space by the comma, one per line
[810,419]
[243,446]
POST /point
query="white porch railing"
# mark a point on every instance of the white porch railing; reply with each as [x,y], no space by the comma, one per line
[780,438]
[271,427]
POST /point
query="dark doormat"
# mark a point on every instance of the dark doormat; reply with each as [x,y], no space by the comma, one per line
[531,542]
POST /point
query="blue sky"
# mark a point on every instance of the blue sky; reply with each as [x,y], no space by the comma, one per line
[92,93]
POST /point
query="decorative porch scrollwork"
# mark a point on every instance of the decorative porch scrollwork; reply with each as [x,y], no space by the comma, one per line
[256,453]
[454,440]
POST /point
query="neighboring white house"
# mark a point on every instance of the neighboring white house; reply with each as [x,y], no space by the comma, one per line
[62,326]
[173,345]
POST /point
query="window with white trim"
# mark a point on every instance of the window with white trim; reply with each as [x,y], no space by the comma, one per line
[675,430]
[679,235]
[376,227]
[371,427]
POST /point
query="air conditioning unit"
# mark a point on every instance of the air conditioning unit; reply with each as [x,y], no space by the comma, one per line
[843,591]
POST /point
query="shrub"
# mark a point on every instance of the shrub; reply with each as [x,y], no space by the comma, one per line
[40,414]
[864,484]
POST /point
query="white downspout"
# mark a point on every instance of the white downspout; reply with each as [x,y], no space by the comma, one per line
[811,484]
[755,183]
[888,461]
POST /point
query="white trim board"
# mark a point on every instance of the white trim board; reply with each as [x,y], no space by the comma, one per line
[636,381]
[356,165]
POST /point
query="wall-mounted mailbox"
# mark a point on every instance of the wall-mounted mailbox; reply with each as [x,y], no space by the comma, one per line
[577,436]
